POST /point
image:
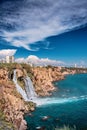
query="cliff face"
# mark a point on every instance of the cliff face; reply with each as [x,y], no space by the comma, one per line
[11,102]
[43,78]
[3,74]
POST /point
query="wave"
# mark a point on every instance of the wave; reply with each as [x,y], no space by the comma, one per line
[50,101]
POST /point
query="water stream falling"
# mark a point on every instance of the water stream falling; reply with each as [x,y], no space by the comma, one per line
[30,89]
[29,93]
[19,89]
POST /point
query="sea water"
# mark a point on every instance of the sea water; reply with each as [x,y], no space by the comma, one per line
[66,106]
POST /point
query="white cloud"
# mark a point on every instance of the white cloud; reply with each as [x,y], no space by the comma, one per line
[39,61]
[21,60]
[31,21]
[7,52]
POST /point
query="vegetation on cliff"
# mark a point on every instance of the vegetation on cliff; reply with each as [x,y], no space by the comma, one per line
[12,104]
[28,69]
[4,125]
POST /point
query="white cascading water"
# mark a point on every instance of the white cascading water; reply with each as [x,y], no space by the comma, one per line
[51,100]
[19,89]
[30,94]
[30,89]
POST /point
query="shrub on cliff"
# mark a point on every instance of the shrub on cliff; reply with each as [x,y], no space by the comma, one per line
[9,66]
[4,125]
[28,69]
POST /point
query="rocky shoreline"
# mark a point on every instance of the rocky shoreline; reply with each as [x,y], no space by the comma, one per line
[43,78]
[11,102]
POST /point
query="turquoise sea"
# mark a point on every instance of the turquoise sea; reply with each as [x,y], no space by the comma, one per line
[67,106]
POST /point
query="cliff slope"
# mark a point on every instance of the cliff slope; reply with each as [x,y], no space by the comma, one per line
[43,78]
[11,103]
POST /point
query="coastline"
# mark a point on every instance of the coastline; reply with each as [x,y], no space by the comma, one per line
[12,103]
[43,78]
[61,102]
[62,77]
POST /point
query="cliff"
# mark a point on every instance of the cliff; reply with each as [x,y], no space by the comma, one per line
[43,78]
[11,103]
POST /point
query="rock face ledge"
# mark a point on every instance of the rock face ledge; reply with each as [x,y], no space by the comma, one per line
[43,78]
[11,102]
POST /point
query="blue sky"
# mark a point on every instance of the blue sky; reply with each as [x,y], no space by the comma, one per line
[50,30]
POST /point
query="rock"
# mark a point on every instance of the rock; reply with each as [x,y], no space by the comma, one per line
[3,74]
[43,78]
[45,118]
[23,125]
[32,109]
[19,73]
[40,128]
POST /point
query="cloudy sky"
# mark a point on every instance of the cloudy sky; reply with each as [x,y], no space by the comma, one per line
[52,31]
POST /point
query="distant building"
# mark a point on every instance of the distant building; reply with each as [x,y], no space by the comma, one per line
[9,59]
[75,65]
[81,66]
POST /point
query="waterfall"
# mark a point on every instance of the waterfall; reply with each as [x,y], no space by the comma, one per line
[19,89]
[30,88]
[30,94]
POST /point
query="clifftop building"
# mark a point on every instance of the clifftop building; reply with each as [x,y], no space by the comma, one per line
[9,59]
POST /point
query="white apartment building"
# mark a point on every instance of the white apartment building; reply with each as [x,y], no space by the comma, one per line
[9,59]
